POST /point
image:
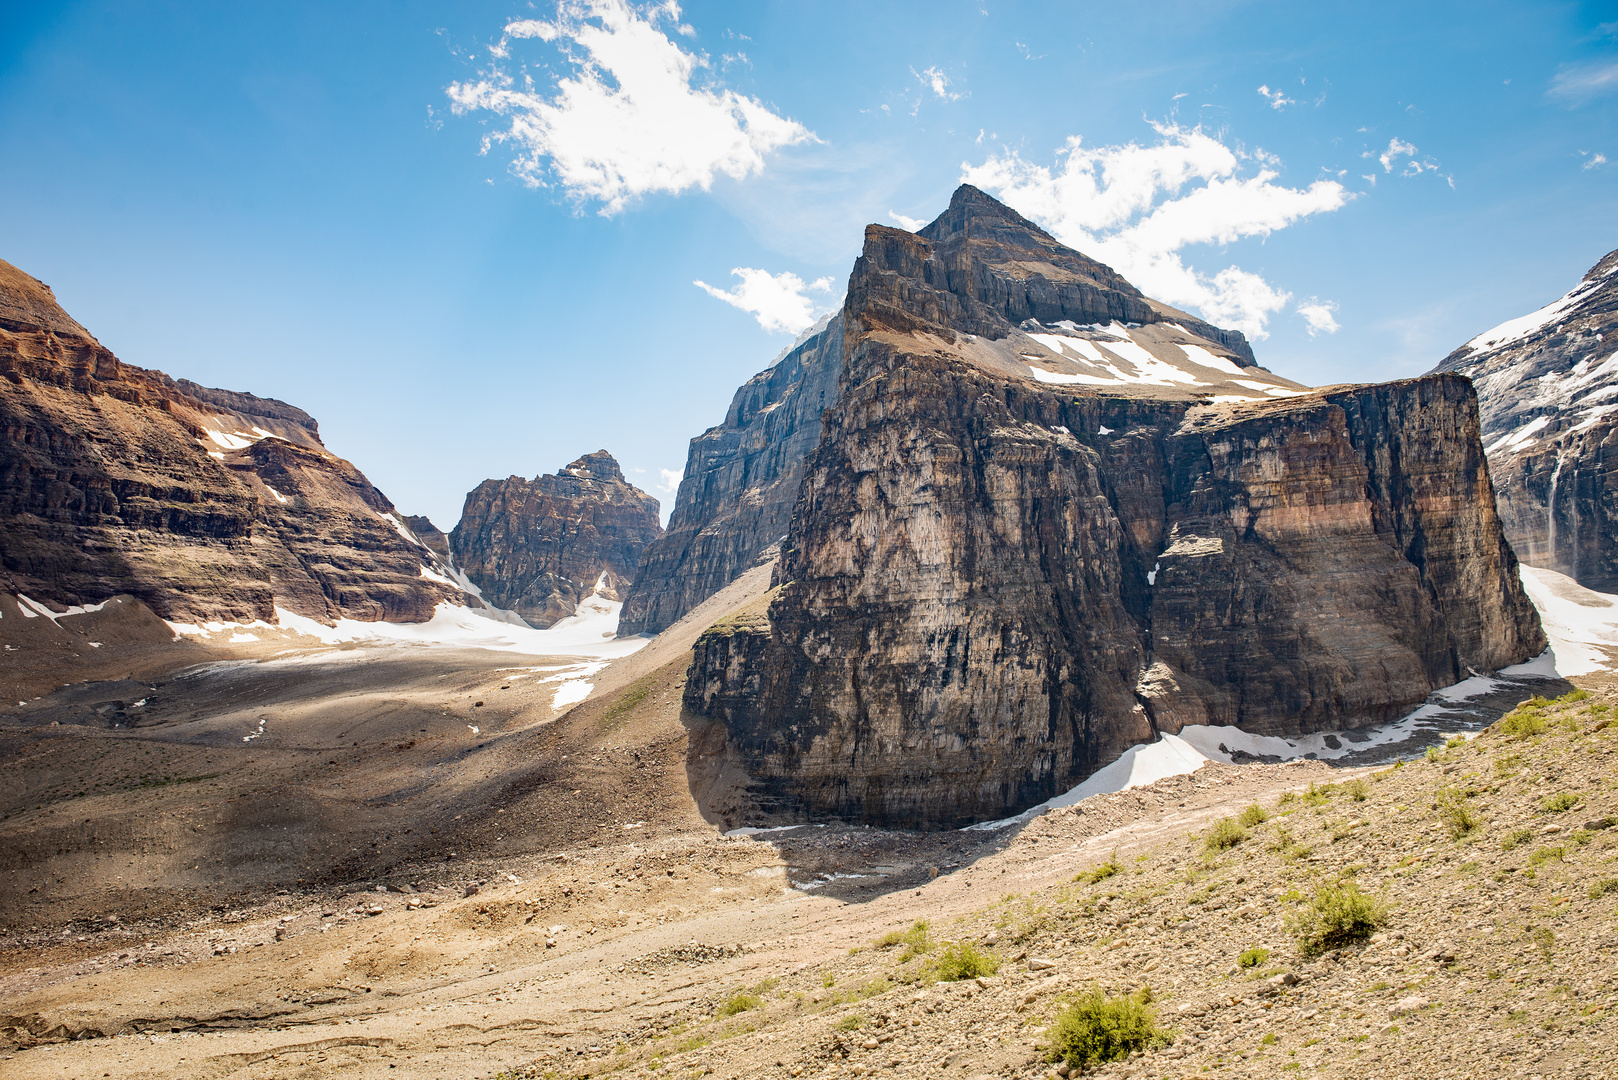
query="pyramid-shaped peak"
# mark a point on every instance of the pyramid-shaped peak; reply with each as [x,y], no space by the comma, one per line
[974,213]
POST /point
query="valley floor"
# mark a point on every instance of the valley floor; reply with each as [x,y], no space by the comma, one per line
[672,951]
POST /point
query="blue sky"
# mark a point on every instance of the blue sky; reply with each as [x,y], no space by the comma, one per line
[466,236]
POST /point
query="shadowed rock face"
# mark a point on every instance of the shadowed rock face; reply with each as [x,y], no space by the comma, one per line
[741,481]
[991,587]
[1545,388]
[538,547]
[206,504]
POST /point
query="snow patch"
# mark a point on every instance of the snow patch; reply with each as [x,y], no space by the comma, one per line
[1581,623]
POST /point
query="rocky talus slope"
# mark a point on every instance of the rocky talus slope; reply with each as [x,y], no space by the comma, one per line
[1021,547]
[538,547]
[204,504]
[1546,384]
[1491,867]
[741,482]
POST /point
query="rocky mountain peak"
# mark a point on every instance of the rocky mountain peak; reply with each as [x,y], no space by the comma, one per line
[600,466]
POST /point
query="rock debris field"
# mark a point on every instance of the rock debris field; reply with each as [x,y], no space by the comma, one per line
[1488,872]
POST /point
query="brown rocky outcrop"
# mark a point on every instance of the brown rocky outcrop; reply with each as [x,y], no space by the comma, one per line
[205,504]
[538,547]
[993,585]
[741,481]
[1550,421]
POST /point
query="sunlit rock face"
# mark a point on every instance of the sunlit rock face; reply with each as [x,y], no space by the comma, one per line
[208,505]
[1047,519]
[1548,391]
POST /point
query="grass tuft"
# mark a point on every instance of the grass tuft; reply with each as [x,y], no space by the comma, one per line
[960,960]
[1338,915]
[1224,835]
[1254,815]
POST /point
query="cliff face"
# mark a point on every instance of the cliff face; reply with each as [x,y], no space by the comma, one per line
[538,547]
[741,481]
[992,586]
[206,504]
[1546,385]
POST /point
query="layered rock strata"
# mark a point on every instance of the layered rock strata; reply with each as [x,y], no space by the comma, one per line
[538,547]
[1548,391]
[992,586]
[741,481]
[204,504]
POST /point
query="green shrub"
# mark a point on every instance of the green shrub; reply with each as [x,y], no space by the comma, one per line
[1253,815]
[1338,915]
[1315,795]
[1456,813]
[741,1001]
[1102,872]
[851,1022]
[1225,834]
[1096,1029]
[1516,838]
[1254,957]
[1546,854]
[1603,887]
[1357,790]
[1576,694]
[962,960]
[1560,802]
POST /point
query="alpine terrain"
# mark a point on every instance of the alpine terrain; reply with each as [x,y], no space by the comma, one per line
[1547,386]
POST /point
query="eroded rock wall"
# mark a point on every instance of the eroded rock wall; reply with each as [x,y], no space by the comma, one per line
[206,504]
[538,547]
[741,482]
[991,587]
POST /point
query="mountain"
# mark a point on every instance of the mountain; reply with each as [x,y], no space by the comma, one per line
[741,480]
[1048,519]
[1547,387]
[538,547]
[1086,326]
[204,504]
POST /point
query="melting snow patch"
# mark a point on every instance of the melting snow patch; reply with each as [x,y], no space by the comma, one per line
[1581,623]
[1138,766]
[433,575]
[24,604]
[570,693]
[280,498]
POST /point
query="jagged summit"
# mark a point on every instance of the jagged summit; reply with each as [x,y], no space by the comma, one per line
[540,547]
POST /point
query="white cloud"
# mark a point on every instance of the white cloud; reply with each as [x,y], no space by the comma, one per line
[668,480]
[1135,207]
[910,224]
[935,80]
[628,119]
[1276,98]
[1585,81]
[1320,315]
[777,301]
[1397,148]
[1595,160]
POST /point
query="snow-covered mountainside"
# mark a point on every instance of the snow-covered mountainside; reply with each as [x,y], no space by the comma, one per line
[1547,387]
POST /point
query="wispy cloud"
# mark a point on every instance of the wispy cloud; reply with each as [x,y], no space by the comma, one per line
[1137,207]
[1413,165]
[935,80]
[780,302]
[629,117]
[1592,161]
[910,224]
[1319,315]
[1276,98]
[1582,82]
[668,480]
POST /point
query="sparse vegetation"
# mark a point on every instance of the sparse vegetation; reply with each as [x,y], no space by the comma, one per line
[1096,1028]
[1456,813]
[1516,838]
[1255,957]
[1338,915]
[1525,720]
[1358,791]
[1224,835]
[1560,802]
[959,960]
[1100,873]
[1603,887]
[915,940]
[1253,816]
[739,1002]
